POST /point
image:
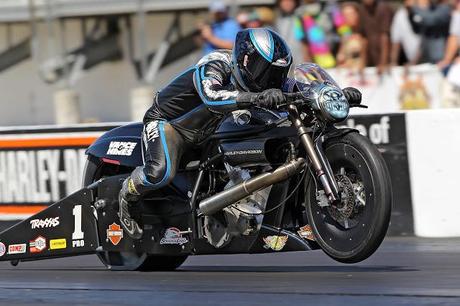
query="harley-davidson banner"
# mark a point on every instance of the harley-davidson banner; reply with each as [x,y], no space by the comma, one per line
[40,166]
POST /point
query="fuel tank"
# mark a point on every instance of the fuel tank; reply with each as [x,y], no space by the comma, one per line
[250,137]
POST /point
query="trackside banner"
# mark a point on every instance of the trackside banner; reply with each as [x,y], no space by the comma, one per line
[388,133]
[39,166]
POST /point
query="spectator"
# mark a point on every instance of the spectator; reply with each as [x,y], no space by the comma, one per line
[288,25]
[376,16]
[222,32]
[453,42]
[403,35]
[259,17]
[319,32]
[431,19]
[265,16]
[450,65]
[242,18]
[352,52]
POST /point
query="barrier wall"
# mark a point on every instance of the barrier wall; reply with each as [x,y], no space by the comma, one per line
[39,165]
[434,160]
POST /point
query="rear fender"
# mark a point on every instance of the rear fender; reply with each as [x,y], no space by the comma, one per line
[121,146]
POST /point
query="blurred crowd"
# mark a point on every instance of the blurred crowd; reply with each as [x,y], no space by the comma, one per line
[353,34]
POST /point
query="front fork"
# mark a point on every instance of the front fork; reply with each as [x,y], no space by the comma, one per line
[317,157]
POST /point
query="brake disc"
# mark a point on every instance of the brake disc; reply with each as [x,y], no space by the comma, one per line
[344,212]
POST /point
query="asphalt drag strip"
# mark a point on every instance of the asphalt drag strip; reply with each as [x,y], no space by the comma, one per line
[404,271]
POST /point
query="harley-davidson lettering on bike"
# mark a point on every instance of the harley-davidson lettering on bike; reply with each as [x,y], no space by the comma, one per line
[265,181]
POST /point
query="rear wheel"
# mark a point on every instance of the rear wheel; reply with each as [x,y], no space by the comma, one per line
[126,261]
[130,261]
[352,230]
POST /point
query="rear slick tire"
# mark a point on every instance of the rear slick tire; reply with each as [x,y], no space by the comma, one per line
[127,261]
[356,154]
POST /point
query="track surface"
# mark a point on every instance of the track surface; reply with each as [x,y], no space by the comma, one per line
[405,271]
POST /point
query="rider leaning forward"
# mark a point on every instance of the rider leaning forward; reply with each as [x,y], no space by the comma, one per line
[189,109]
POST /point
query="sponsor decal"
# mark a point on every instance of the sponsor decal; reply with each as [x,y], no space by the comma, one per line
[58,244]
[306,233]
[44,223]
[78,243]
[114,233]
[173,236]
[275,243]
[131,187]
[17,248]
[37,245]
[122,148]
[151,130]
[2,249]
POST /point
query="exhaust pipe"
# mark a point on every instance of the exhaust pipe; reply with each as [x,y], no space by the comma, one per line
[238,192]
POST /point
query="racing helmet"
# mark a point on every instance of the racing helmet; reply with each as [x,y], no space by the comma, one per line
[261,60]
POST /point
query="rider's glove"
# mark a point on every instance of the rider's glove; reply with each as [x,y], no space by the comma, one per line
[352,95]
[269,98]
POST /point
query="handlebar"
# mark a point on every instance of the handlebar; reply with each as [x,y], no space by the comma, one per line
[301,97]
[296,98]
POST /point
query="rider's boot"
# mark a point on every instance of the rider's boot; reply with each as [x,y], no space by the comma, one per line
[130,212]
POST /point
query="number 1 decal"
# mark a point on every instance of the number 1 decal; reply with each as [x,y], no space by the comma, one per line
[78,233]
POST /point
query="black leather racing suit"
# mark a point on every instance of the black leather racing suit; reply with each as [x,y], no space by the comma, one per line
[184,112]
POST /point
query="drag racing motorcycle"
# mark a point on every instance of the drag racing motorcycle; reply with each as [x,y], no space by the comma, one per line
[265,181]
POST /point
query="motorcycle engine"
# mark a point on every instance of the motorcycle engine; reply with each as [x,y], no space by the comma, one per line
[242,218]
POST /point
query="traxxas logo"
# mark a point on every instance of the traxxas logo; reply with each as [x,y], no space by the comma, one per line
[44,223]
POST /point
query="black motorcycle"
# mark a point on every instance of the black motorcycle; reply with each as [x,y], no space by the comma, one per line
[265,181]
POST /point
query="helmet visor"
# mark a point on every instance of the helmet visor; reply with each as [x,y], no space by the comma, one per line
[264,75]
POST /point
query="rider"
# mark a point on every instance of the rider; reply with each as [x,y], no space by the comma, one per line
[189,108]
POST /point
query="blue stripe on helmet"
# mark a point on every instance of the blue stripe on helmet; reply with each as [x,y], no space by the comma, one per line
[269,56]
[272,45]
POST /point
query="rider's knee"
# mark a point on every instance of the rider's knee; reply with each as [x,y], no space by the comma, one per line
[157,174]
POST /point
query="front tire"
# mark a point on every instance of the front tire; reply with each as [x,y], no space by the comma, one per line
[95,169]
[352,232]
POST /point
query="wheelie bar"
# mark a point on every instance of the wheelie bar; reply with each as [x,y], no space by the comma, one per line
[66,228]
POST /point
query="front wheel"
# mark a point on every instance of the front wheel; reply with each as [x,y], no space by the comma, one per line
[353,229]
